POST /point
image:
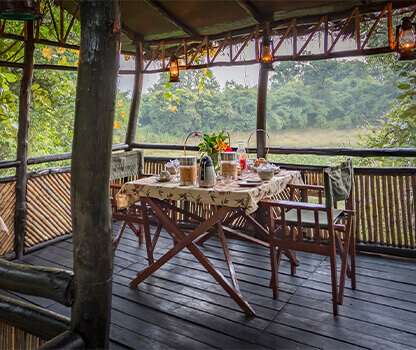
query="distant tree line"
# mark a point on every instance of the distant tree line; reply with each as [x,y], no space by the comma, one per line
[331,94]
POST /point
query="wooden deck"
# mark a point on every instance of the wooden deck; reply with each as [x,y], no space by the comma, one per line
[181,306]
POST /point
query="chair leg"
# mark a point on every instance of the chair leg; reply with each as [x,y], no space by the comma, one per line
[117,241]
[334,280]
[273,255]
[141,240]
[352,256]
[292,263]
[275,263]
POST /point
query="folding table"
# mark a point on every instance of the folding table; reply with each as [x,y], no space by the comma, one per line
[228,200]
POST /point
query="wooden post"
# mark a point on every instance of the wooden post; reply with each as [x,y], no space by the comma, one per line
[261,111]
[261,124]
[137,93]
[22,141]
[91,156]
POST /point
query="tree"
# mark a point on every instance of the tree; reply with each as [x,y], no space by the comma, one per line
[398,130]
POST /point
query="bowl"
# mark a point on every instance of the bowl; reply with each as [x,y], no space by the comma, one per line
[265,175]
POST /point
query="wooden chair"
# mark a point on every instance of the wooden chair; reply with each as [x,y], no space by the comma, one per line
[123,166]
[287,221]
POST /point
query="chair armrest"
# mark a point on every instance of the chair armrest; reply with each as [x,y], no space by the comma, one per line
[306,187]
[292,205]
[115,186]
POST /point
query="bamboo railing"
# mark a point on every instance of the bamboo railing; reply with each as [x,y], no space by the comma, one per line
[14,338]
[7,203]
[384,201]
[48,208]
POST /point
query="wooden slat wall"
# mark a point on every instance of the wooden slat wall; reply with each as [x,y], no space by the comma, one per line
[48,208]
[12,338]
[385,208]
[7,203]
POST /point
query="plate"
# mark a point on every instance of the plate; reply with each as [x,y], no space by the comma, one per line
[158,179]
[252,183]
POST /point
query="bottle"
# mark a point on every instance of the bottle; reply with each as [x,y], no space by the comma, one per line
[241,156]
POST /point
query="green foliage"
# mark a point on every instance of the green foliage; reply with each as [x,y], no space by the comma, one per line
[398,129]
[323,94]
[212,145]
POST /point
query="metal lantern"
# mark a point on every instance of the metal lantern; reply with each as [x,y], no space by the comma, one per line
[174,70]
[19,10]
[266,56]
[405,39]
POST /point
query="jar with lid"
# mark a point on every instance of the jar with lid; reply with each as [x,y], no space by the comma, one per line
[188,171]
[228,165]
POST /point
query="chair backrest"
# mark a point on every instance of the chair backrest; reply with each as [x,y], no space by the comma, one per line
[339,182]
[126,164]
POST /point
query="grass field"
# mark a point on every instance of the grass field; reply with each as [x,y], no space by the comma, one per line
[292,138]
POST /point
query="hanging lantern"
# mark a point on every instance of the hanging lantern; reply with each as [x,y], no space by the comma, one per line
[266,56]
[405,39]
[19,10]
[174,70]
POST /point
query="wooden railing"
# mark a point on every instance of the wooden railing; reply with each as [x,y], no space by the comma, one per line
[384,199]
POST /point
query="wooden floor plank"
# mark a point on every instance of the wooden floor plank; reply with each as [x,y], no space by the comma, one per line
[181,306]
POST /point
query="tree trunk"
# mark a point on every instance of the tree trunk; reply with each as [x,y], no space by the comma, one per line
[261,111]
[22,142]
[137,93]
[91,156]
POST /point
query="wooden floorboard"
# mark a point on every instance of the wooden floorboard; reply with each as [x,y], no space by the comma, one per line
[181,306]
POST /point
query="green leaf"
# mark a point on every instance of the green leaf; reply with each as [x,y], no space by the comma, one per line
[167,95]
[404,86]
[11,78]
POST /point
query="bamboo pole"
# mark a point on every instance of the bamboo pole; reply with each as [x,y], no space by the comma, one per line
[22,142]
[137,93]
[90,173]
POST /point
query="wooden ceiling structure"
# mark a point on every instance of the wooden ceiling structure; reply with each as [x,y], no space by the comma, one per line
[225,33]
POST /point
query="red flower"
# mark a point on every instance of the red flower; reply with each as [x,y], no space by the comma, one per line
[228,149]
[196,134]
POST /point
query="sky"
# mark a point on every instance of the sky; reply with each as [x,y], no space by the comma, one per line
[245,75]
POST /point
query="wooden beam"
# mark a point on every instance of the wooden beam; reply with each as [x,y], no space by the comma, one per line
[32,319]
[22,142]
[373,27]
[261,110]
[90,173]
[136,96]
[171,17]
[49,283]
[390,24]
[252,11]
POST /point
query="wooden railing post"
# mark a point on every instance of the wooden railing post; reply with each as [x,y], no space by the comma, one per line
[137,93]
[90,173]
[261,111]
[22,141]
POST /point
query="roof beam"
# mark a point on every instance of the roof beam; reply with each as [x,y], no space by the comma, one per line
[252,11]
[170,17]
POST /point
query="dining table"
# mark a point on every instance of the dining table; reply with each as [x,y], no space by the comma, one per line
[228,201]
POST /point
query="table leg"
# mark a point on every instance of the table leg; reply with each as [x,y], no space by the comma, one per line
[170,226]
[147,232]
[228,258]
[187,242]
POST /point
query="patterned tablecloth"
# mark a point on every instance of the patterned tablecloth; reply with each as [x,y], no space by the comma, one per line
[229,194]
[3,228]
